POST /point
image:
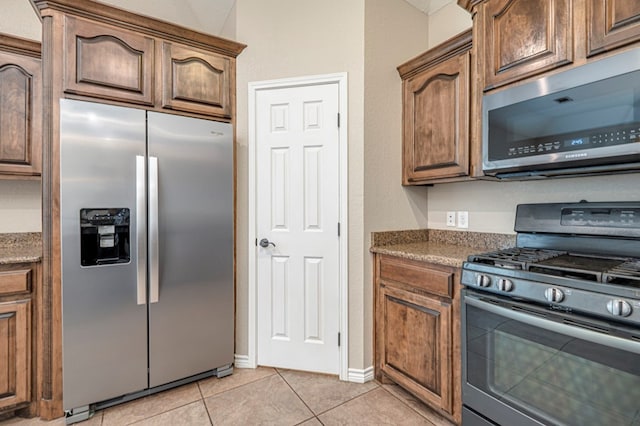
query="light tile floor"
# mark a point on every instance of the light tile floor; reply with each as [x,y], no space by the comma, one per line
[266,396]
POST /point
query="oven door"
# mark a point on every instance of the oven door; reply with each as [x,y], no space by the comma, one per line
[525,364]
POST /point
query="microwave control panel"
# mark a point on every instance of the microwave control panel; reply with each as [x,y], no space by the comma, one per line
[594,138]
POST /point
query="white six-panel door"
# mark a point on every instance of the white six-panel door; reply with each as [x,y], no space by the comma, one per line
[297,211]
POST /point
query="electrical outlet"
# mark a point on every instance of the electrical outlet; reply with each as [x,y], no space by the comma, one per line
[451,218]
[463,219]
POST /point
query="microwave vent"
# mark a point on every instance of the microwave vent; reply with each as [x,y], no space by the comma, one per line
[564,99]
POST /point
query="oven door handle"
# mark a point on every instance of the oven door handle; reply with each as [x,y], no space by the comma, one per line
[572,331]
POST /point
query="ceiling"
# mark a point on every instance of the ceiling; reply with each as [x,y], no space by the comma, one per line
[429,6]
[209,16]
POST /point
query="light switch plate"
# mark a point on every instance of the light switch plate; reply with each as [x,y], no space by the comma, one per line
[463,219]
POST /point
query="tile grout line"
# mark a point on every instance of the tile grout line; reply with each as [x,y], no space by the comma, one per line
[317,416]
[407,404]
[299,397]
[204,403]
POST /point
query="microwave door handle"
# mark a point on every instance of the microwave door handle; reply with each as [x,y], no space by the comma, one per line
[154,255]
[568,330]
[141,228]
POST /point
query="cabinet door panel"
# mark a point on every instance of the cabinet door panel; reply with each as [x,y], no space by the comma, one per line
[611,24]
[14,353]
[436,122]
[20,116]
[416,344]
[195,81]
[525,37]
[108,63]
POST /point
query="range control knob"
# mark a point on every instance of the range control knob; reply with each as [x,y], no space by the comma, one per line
[619,308]
[554,295]
[483,280]
[505,284]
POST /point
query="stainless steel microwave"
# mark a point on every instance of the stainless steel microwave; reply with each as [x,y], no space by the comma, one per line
[580,121]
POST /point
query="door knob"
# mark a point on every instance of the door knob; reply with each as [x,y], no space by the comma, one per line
[265,243]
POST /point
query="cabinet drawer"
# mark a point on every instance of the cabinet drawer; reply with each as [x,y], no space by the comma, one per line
[417,274]
[15,280]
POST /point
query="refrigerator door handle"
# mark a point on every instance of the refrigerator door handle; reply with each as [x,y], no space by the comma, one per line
[154,279]
[141,228]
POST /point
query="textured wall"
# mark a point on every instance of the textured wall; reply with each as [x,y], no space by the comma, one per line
[394,33]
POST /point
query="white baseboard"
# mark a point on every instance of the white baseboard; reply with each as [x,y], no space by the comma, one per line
[360,376]
[242,361]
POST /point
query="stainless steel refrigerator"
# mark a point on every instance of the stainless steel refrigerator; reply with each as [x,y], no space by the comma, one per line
[147,252]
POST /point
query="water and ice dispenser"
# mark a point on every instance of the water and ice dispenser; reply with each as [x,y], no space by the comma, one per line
[104,236]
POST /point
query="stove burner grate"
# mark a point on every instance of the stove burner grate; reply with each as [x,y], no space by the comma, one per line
[627,273]
[515,257]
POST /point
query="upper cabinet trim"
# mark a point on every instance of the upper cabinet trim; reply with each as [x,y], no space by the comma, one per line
[111,15]
[448,49]
[21,46]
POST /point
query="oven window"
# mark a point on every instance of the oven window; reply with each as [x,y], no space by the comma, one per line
[552,377]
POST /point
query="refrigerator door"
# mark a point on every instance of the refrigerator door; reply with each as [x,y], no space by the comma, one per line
[191,327]
[104,311]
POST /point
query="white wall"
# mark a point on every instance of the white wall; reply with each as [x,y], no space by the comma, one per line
[18,17]
[491,205]
[20,201]
[447,22]
[394,33]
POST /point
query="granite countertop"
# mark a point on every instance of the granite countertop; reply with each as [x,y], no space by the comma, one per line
[24,247]
[442,247]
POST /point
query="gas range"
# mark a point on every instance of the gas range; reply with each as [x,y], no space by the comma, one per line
[582,257]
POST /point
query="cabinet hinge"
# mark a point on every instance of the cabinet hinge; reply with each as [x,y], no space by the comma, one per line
[338,339]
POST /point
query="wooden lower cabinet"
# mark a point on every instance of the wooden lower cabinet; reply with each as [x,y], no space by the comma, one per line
[418,331]
[19,349]
[15,354]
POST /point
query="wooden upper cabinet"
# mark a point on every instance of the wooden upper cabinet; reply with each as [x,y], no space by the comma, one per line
[20,107]
[108,62]
[436,110]
[522,38]
[612,24]
[120,57]
[195,81]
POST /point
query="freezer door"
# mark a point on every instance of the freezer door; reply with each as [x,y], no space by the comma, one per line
[190,246]
[104,327]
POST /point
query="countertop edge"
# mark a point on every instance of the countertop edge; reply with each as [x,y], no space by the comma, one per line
[23,247]
[449,248]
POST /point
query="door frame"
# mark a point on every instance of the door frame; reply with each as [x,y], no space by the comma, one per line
[343,325]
